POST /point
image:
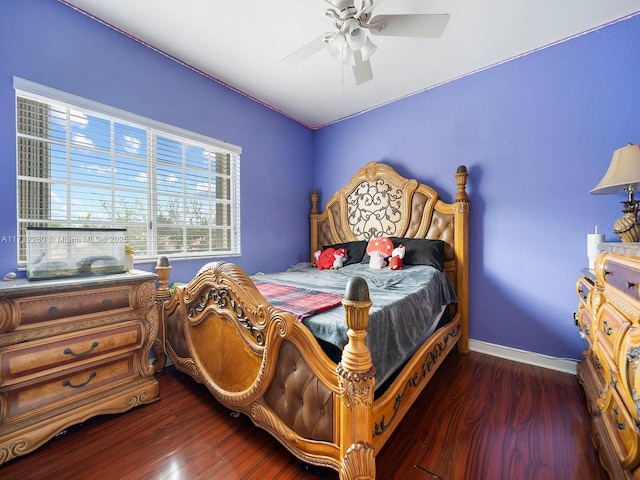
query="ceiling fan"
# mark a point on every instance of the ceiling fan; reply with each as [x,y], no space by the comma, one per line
[355,25]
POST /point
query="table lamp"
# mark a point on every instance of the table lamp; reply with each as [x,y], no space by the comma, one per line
[623,176]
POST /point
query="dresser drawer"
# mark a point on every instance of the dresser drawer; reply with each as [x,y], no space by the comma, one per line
[599,377]
[23,361]
[622,431]
[592,379]
[585,323]
[56,392]
[610,378]
[629,362]
[48,307]
[583,289]
[611,325]
[622,281]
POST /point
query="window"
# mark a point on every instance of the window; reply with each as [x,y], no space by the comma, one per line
[83,164]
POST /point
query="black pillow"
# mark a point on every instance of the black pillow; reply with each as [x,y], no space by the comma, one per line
[355,250]
[422,251]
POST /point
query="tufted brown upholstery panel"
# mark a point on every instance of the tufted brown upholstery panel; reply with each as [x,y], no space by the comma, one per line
[418,205]
[176,334]
[324,235]
[299,398]
[337,222]
[441,228]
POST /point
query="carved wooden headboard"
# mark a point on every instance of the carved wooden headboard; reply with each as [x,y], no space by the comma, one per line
[377,201]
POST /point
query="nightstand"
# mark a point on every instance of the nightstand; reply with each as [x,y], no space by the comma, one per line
[72,349]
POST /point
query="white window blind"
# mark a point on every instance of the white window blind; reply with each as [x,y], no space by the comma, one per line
[84,164]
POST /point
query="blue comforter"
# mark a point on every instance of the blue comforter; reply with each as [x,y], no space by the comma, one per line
[407,305]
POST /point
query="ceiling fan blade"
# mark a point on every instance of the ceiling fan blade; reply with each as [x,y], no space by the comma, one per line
[410,25]
[314,46]
[362,71]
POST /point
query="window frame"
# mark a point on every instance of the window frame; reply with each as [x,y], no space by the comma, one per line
[154,131]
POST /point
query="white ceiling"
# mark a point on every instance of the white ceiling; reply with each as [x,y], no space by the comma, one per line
[241,44]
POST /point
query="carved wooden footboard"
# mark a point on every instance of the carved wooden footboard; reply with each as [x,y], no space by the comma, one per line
[257,359]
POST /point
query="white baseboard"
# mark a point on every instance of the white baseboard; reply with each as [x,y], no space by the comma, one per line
[560,364]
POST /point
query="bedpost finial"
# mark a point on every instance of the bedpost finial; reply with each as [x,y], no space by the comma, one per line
[314,202]
[461,180]
[163,269]
[357,290]
[163,262]
[356,303]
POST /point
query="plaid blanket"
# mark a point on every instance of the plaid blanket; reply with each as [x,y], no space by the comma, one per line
[302,302]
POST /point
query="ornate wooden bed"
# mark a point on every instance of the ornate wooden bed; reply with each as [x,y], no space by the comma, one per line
[259,360]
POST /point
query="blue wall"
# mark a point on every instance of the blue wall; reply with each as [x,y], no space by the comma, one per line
[537,134]
[51,44]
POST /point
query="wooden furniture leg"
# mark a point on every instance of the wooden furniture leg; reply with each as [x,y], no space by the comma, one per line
[163,269]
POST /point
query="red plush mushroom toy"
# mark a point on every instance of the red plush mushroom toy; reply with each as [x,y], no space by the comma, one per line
[325,258]
[379,249]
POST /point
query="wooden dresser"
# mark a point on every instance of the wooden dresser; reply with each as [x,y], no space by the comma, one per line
[609,319]
[72,349]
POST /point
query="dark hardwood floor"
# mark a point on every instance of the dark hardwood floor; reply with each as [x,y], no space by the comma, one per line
[482,418]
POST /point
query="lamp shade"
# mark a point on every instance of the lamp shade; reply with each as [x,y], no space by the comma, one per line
[623,174]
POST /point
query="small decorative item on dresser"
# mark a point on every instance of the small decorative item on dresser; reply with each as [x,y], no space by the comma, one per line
[128,256]
[623,176]
[593,246]
[55,253]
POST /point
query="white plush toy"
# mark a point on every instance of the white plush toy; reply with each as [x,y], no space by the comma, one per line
[340,256]
[396,257]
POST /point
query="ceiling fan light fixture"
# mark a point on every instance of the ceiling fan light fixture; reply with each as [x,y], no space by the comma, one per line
[355,35]
[348,56]
[368,49]
[335,45]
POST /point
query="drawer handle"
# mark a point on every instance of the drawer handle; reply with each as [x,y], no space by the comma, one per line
[67,383]
[605,272]
[53,309]
[606,328]
[630,285]
[68,351]
[619,424]
[106,301]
